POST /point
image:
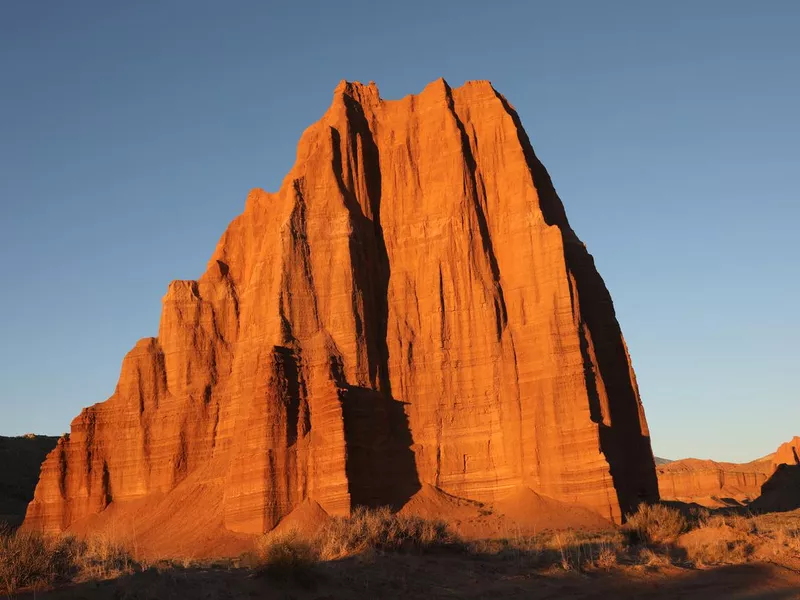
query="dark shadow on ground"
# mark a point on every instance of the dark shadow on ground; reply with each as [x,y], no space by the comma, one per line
[446,574]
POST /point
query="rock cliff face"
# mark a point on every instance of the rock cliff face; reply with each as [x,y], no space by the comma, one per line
[787,453]
[715,484]
[710,483]
[411,307]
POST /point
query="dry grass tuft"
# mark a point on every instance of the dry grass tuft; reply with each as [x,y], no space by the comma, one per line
[740,523]
[720,552]
[29,560]
[99,557]
[788,539]
[724,539]
[654,524]
[35,561]
[652,558]
[287,559]
[656,536]
[380,530]
[607,558]
[562,550]
[579,552]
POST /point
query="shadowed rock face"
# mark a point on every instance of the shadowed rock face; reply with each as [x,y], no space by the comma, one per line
[781,492]
[412,307]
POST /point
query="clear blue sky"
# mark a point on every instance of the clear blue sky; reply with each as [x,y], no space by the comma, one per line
[131,132]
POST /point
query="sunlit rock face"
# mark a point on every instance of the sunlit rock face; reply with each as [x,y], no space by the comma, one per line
[714,484]
[411,307]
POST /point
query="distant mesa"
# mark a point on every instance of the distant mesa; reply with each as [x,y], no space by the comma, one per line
[718,484]
[409,321]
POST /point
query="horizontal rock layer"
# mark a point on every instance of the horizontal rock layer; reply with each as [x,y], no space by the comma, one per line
[714,484]
[412,307]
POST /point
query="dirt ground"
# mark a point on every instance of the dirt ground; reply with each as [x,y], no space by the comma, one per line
[448,575]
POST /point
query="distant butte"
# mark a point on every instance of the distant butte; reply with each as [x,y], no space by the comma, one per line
[409,321]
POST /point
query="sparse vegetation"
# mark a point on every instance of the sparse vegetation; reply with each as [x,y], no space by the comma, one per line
[719,539]
[606,557]
[654,524]
[28,560]
[650,557]
[654,538]
[383,531]
[287,558]
[563,550]
[35,561]
[657,536]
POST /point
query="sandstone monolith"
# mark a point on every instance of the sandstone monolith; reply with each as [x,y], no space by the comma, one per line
[411,308]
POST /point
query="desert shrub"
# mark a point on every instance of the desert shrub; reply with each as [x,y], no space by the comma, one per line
[607,557]
[722,538]
[740,523]
[654,524]
[100,557]
[719,552]
[568,551]
[787,538]
[651,558]
[287,558]
[380,530]
[580,551]
[32,560]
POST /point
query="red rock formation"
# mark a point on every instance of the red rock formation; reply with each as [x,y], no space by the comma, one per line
[412,307]
[787,453]
[715,484]
[712,483]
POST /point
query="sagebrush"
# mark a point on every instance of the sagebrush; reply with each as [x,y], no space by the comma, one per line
[655,524]
[33,560]
[383,530]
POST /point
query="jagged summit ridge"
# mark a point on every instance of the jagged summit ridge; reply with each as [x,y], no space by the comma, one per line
[410,308]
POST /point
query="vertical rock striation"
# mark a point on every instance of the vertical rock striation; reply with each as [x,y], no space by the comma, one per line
[411,307]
